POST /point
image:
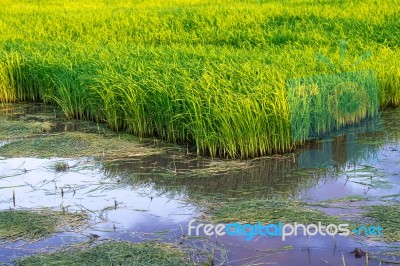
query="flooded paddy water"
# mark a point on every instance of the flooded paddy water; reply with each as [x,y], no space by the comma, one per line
[150,191]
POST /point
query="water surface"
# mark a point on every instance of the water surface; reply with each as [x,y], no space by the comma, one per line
[152,197]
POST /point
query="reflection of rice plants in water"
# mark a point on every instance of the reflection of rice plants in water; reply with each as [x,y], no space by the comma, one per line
[271,176]
[268,177]
[350,146]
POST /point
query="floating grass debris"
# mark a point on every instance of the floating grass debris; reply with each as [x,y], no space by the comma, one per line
[113,253]
[34,224]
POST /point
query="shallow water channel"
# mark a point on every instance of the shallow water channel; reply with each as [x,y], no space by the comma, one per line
[155,196]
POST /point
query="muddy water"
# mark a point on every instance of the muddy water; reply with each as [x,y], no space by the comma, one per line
[116,209]
[150,197]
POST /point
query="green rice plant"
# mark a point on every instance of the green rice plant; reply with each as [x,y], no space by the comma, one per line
[203,72]
[321,104]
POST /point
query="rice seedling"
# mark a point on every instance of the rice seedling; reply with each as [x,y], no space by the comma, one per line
[14,199]
[61,166]
[205,72]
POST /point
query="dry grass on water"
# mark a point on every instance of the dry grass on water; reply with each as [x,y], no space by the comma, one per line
[34,224]
[113,253]
[201,71]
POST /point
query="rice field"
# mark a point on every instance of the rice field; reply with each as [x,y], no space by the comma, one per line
[208,73]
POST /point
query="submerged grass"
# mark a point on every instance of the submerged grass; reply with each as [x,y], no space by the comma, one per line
[291,211]
[78,144]
[27,133]
[269,210]
[113,253]
[351,198]
[36,223]
[10,129]
[198,71]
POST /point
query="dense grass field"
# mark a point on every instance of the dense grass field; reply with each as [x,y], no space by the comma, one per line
[212,73]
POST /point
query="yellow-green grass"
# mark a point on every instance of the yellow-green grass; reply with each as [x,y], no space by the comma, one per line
[208,72]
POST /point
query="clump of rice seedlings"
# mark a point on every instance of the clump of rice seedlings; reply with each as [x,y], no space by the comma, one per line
[214,75]
[61,166]
[36,223]
[113,253]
